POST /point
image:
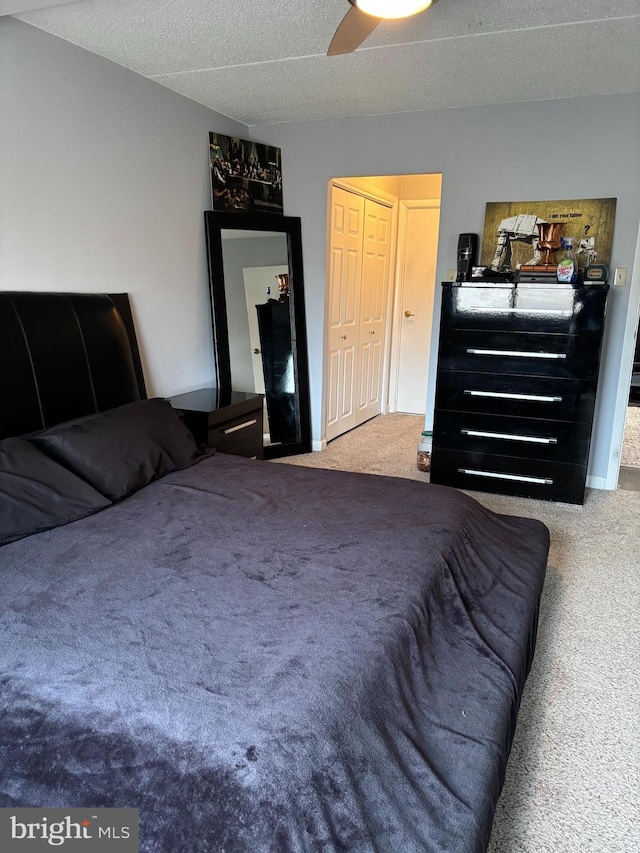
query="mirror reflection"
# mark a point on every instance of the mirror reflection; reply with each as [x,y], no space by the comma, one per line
[258,318]
[256,275]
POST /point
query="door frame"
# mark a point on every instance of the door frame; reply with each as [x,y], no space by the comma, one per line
[624,377]
[404,206]
[381,197]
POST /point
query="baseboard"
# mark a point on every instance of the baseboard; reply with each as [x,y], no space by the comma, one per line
[319,445]
[597,482]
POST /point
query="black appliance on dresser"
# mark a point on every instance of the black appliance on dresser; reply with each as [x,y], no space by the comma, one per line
[516,387]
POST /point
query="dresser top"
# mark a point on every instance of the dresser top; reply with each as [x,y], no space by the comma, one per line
[526,285]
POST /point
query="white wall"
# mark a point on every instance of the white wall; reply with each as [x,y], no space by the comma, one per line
[104,177]
[565,149]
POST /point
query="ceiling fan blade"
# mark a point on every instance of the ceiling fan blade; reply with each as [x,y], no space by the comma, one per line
[353,30]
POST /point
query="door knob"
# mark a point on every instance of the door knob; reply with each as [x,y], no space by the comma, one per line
[409,314]
[344,337]
[256,352]
[373,333]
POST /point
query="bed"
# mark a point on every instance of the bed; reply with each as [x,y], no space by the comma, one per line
[258,657]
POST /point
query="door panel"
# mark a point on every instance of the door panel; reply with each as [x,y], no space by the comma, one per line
[363,375]
[347,212]
[333,386]
[373,302]
[347,410]
[340,390]
[417,279]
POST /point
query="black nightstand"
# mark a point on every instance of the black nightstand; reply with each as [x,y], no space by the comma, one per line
[231,422]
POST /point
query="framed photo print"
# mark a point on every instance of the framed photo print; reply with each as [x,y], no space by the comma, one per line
[245,176]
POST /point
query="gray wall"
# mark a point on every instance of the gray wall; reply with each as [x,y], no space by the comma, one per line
[104,177]
[566,149]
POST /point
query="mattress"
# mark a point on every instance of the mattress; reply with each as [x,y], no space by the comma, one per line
[268,657]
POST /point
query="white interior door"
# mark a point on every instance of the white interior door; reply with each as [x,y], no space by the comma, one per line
[376,253]
[345,272]
[417,254]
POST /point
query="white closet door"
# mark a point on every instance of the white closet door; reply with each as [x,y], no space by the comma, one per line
[345,272]
[376,253]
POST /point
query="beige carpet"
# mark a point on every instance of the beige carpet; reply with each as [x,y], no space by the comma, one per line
[573,779]
[631,444]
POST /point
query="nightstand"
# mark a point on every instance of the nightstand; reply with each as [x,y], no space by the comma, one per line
[231,422]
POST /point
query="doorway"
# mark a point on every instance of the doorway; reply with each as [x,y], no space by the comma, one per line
[382,238]
[629,477]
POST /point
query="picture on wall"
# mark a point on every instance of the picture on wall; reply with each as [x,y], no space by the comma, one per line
[511,231]
[246,177]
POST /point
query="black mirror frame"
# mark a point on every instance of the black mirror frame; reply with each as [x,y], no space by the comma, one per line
[215,223]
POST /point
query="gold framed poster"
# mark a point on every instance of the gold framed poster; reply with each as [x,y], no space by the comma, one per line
[511,235]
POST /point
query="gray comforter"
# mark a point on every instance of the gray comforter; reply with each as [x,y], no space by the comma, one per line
[271,658]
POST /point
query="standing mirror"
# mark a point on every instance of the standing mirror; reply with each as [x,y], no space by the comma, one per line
[259,331]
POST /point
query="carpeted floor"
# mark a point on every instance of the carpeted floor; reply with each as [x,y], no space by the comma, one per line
[573,780]
[631,444]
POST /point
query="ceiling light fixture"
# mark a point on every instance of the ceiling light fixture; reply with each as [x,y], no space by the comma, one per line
[364,16]
[391,8]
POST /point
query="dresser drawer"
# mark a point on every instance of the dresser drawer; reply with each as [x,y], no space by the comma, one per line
[530,438]
[529,478]
[523,396]
[229,421]
[555,308]
[527,353]
[243,433]
[252,448]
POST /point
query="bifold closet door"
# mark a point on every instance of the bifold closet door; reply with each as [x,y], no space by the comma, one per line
[376,251]
[359,272]
[345,267]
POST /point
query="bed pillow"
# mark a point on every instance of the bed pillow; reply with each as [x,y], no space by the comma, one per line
[37,493]
[124,449]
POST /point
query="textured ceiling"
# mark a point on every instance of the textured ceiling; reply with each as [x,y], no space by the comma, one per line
[264,61]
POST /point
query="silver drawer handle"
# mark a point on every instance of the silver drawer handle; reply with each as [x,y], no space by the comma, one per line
[560,312]
[519,353]
[239,426]
[536,398]
[541,481]
[532,439]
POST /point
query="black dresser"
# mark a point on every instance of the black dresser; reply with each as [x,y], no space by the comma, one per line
[516,386]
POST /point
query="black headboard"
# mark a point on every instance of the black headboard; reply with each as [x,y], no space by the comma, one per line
[64,355]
